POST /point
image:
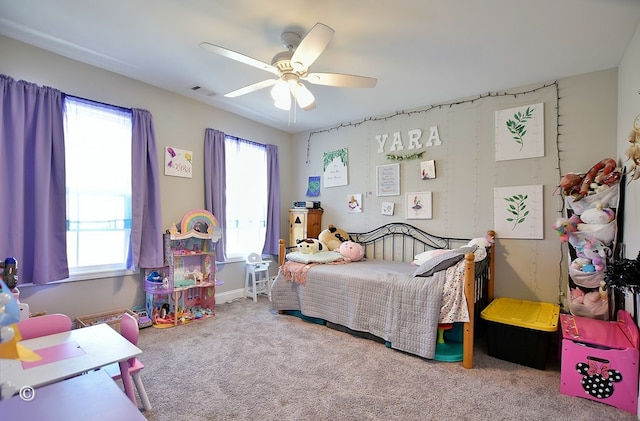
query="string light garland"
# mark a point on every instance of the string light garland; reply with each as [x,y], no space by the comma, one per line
[430,108]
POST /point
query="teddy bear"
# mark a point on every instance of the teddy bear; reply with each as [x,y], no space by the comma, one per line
[310,246]
[333,237]
[351,251]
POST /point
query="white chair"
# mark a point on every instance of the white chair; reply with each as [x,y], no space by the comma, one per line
[256,280]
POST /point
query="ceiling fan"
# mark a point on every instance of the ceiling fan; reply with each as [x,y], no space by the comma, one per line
[291,67]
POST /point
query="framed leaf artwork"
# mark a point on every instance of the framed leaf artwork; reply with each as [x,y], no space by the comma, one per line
[518,212]
[520,132]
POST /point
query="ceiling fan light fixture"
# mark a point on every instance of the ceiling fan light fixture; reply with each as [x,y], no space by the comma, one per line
[281,95]
[291,67]
[303,96]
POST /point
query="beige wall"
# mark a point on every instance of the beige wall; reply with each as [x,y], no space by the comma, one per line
[466,169]
[628,109]
[178,121]
[467,172]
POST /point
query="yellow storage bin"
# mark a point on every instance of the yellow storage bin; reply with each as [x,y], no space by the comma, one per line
[520,330]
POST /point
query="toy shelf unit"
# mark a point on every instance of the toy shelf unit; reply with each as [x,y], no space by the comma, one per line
[594,237]
[183,290]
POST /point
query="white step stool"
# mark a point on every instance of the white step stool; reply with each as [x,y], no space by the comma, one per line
[256,279]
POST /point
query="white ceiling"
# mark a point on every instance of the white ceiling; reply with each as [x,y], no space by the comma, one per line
[422,52]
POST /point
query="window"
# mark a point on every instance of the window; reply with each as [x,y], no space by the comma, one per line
[98,180]
[246,194]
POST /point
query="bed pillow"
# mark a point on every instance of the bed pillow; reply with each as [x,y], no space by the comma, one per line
[443,261]
[426,255]
[320,257]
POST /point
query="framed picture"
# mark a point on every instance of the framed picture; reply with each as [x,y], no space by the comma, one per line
[419,205]
[388,180]
[518,212]
[520,132]
[313,188]
[178,162]
[354,203]
[387,208]
[428,169]
[335,165]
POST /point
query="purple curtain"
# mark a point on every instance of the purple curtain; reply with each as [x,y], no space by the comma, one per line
[272,237]
[32,176]
[215,183]
[145,247]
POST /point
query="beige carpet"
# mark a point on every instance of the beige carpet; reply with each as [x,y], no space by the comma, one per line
[247,363]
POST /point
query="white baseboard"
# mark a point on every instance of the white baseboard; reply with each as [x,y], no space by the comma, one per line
[228,296]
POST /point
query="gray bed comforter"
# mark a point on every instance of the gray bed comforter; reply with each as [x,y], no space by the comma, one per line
[375,296]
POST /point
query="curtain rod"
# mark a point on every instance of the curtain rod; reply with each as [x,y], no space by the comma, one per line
[245,140]
[99,102]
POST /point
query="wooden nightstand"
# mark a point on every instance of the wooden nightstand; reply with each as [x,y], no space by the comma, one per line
[304,223]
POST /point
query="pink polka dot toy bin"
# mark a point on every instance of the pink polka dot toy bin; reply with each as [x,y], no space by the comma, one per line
[600,360]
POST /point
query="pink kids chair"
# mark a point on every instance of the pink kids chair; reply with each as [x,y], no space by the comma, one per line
[48,324]
[129,329]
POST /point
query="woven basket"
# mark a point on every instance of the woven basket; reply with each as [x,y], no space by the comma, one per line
[112,318]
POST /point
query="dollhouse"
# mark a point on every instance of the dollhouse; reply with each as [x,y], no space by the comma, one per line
[183,290]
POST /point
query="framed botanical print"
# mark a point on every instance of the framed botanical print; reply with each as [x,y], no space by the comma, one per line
[520,132]
[518,212]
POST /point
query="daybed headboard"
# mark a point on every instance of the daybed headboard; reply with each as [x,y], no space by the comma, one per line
[399,241]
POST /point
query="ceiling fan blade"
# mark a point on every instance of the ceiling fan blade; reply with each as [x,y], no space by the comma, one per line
[251,88]
[311,46]
[341,80]
[225,52]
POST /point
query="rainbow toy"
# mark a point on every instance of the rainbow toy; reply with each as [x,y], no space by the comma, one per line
[199,220]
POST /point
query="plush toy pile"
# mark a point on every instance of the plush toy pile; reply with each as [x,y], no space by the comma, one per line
[333,240]
[590,231]
[333,237]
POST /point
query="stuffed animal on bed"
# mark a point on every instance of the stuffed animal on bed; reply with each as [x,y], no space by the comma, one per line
[351,251]
[333,237]
[485,242]
[426,255]
[310,246]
